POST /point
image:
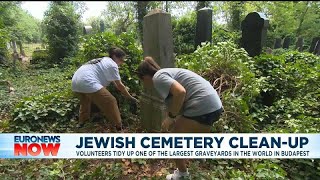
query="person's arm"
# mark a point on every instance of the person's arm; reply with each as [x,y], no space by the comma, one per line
[122,88]
[178,95]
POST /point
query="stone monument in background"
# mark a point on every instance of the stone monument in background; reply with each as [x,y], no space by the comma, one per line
[87,30]
[286,42]
[299,44]
[254,33]
[203,27]
[313,46]
[277,43]
[102,27]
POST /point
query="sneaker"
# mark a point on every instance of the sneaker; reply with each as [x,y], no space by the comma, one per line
[177,175]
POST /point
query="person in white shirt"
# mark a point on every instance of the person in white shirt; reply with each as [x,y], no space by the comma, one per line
[89,82]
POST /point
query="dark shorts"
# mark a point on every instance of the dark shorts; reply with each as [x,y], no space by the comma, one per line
[207,119]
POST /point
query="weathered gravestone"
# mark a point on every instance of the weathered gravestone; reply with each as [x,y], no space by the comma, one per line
[87,29]
[277,43]
[203,27]
[158,43]
[101,26]
[299,44]
[317,48]
[254,33]
[286,43]
[313,44]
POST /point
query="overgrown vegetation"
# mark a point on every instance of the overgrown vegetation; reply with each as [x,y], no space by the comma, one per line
[226,68]
[270,93]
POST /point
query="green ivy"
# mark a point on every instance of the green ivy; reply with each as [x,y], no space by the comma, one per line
[289,101]
[42,113]
[99,44]
[184,31]
[236,84]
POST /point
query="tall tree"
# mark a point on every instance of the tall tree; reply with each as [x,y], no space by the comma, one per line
[202,4]
[141,12]
[80,7]
[119,16]
[17,25]
[6,21]
[236,15]
[62,30]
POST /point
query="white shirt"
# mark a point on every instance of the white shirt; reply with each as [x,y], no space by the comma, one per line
[91,78]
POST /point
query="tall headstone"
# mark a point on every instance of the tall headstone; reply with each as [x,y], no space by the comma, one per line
[254,33]
[101,26]
[277,43]
[286,42]
[158,43]
[317,48]
[204,26]
[299,44]
[313,44]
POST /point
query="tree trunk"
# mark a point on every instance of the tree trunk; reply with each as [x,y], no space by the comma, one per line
[15,55]
[302,18]
[236,8]
[21,49]
[142,11]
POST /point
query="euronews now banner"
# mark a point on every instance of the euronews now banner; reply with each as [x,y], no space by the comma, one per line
[160,145]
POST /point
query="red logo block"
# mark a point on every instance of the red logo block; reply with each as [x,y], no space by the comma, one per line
[35,149]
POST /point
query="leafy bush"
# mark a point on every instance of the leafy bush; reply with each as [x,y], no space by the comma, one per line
[40,57]
[301,168]
[184,31]
[220,34]
[99,44]
[41,113]
[4,39]
[226,68]
[62,29]
[38,86]
[290,96]
[279,51]
[238,169]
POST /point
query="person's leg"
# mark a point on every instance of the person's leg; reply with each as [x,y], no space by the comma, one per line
[85,108]
[185,125]
[107,103]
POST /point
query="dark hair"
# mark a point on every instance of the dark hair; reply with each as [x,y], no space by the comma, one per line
[119,53]
[147,67]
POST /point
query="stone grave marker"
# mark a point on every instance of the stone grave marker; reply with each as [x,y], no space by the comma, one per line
[158,43]
[203,27]
[87,30]
[313,44]
[277,43]
[286,43]
[299,44]
[254,33]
